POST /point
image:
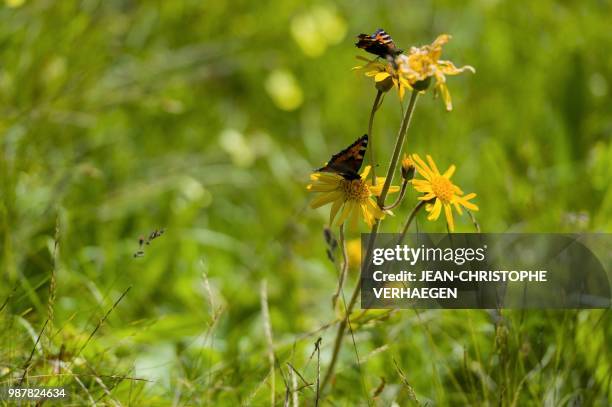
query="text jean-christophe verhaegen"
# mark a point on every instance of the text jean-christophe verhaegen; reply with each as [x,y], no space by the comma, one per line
[407,255]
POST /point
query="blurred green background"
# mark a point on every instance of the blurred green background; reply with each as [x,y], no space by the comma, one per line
[205,118]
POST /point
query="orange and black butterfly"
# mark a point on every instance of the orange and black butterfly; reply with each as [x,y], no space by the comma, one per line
[380,43]
[348,161]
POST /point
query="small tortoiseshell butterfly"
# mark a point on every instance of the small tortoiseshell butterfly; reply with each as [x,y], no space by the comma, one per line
[380,43]
[348,161]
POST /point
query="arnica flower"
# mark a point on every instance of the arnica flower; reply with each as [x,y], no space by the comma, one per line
[439,187]
[385,76]
[350,198]
[422,64]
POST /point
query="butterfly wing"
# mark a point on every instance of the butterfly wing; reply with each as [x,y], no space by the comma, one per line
[348,161]
[380,43]
[371,45]
[383,38]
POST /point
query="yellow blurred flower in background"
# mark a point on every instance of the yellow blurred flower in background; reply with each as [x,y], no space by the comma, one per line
[317,29]
[14,3]
[353,250]
[423,63]
[439,187]
[284,89]
[349,198]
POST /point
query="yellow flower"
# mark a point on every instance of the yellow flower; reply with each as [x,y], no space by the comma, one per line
[384,74]
[353,250]
[439,187]
[421,64]
[348,197]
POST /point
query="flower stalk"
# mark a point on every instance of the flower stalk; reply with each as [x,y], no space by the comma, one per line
[375,106]
[343,267]
[474,221]
[411,217]
[398,148]
[399,199]
[372,238]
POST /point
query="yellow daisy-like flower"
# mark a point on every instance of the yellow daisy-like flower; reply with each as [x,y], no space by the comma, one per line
[439,187]
[385,76]
[350,198]
[423,63]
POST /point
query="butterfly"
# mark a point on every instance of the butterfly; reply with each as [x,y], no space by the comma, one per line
[380,43]
[348,161]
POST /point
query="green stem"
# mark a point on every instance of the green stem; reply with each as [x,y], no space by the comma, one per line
[398,148]
[411,217]
[372,238]
[375,107]
[474,221]
[343,268]
[399,199]
[416,209]
[344,321]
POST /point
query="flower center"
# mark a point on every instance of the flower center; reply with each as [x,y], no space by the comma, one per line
[355,190]
[443,188]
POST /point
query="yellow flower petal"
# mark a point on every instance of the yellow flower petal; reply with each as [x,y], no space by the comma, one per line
[446,96]
[376,190]
[322,187]
[354,222]
[441,40]
[346,211]
[421,167]
[458,207]
[449,173]
[328,177]
[381,76]
[380,180]
[367,216]
[374,209]
[424,189]
[334,210]
[432,165]
[448,68]
[427,197]
[435,210]
[325,198]
[404,82]
[449,217]
[464,201]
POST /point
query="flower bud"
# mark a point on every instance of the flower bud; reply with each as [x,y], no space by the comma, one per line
[408,168]
[385,84]
[422,85]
